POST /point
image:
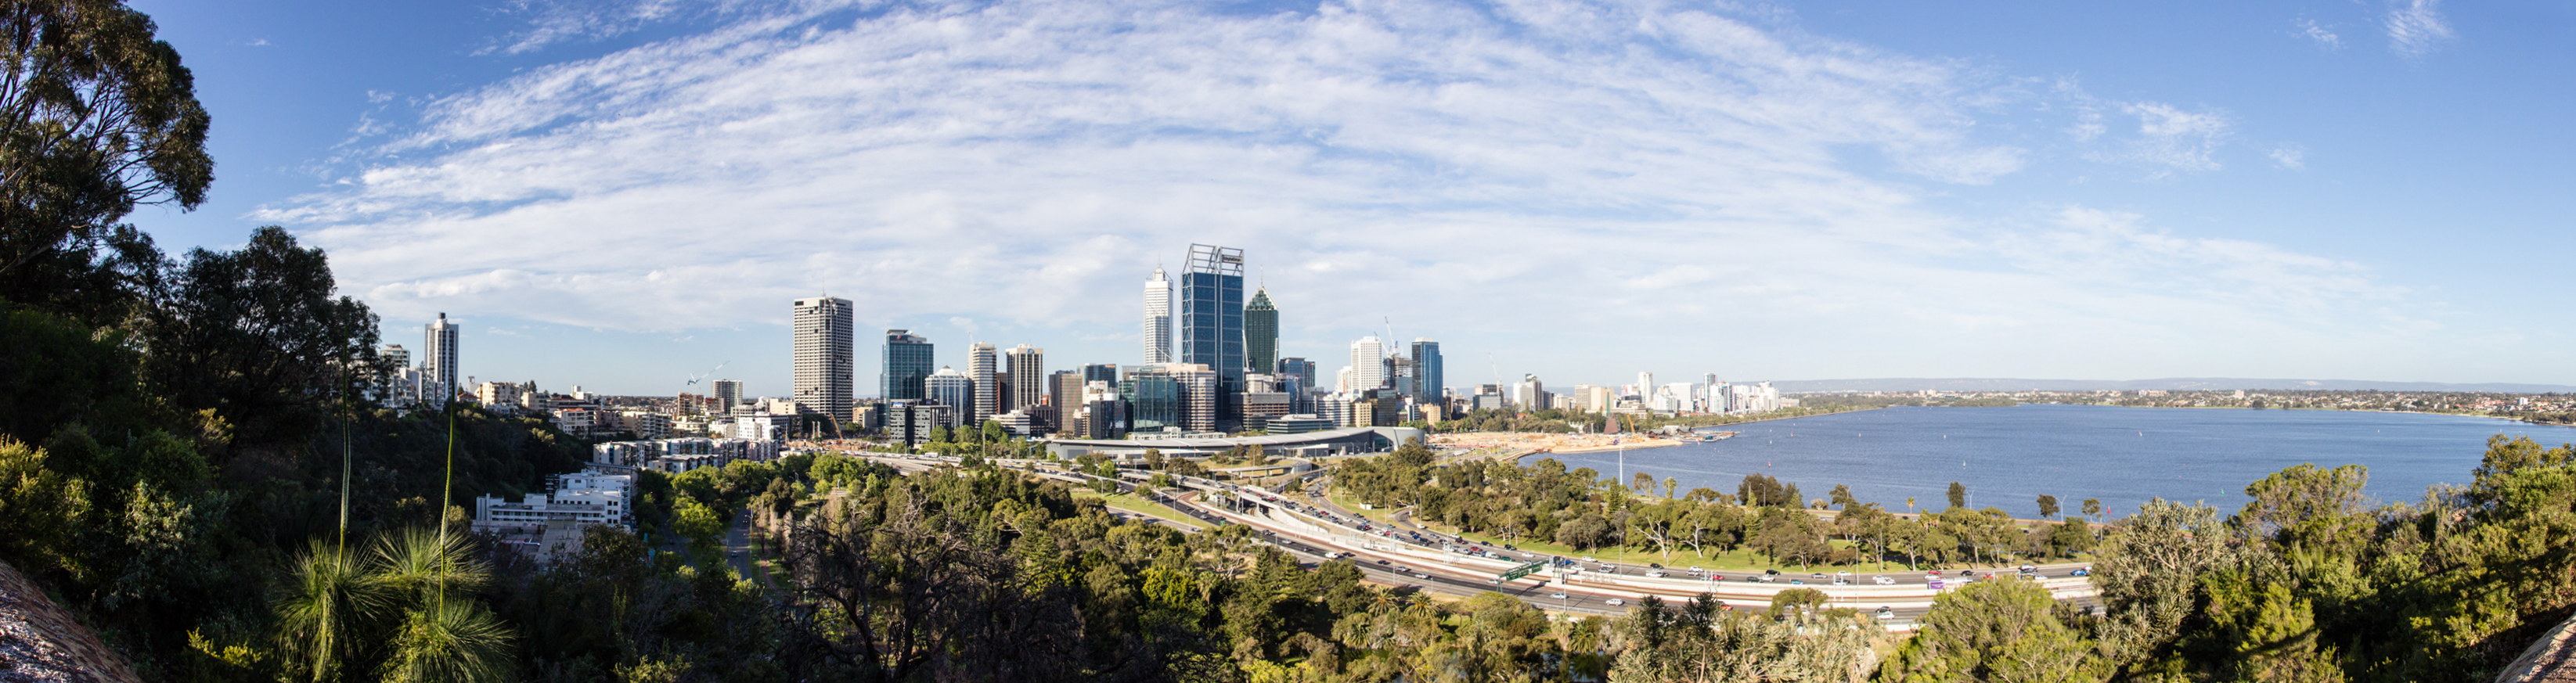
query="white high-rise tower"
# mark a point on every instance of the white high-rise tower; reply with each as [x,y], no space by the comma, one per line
[438,362]
[1158,319]
[980,365]
[1368,364]
[822,346]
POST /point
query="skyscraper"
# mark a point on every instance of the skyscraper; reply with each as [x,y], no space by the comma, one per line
[1158,318]
[1260,332]
[823,336]
[1427,380]
[728,394]
[1368,364]
[1028,377]
[948,387]
[1211,320]
[907,362]
[980,363]
[438,361]
[1297,377]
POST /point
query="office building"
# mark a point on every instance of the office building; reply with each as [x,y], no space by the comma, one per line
[911,421]
[1104,413]
[1158,318]
[1211,317]
[907,363]
[1153,398]
[1296,376]
[1064,391]
[1368,365]
[1530,394]
[1027,367]
[1427,379]
[1100,372]
[984,367]
[1260,332]
[951,388]
[578,499]
[823,360]
[728,394]
[438,362]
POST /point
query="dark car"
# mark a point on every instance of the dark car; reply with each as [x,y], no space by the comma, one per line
[1651,565]
[1967,572]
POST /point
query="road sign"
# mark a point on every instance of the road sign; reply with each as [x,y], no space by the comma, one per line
[1515,573]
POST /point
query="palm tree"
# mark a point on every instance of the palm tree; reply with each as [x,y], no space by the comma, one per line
[445,634]
[322,614]
[450,641]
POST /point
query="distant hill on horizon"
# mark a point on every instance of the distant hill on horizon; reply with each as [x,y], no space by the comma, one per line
[2171,383]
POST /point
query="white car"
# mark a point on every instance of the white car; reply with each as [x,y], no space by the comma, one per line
[1656,573]
[1615,602]
[1883,581]
[1843,574]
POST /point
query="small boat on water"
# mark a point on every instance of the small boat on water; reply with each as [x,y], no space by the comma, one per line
[1714,436]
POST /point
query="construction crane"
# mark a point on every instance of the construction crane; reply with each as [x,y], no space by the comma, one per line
[700,377]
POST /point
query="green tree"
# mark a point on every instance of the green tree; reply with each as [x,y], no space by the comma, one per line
[2148,574]
[100,117]
[1994,631]
[2047,506]
[2093,507]
[256,336]
[1958,495]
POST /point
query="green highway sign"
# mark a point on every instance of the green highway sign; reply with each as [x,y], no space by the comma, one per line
[1515,573]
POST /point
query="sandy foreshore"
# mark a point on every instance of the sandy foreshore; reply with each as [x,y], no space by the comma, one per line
[1551,443]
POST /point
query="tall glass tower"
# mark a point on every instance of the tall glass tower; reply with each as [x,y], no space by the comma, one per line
[1260,332]
[1426,370]
[1211,320]
[907,363]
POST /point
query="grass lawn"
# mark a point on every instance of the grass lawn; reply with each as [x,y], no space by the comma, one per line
[1131,503]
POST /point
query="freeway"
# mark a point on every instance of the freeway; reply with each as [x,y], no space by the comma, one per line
[1413,558]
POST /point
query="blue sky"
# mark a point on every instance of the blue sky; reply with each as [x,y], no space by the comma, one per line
[622,194]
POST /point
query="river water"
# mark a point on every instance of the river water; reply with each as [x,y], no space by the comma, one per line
[2008,457]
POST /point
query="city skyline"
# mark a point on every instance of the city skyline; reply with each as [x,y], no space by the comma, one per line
[1827,190]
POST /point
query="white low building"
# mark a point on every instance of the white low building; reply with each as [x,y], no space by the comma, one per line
[580,499]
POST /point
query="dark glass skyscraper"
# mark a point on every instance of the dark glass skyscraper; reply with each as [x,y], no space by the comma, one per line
[1260,332]
[1426,369]
[1211,323]
[907,364]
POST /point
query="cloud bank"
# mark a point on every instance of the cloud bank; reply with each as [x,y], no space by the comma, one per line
[1669,172]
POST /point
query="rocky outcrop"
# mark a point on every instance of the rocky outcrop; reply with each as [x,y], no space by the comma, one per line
[2551,659]
[40,642]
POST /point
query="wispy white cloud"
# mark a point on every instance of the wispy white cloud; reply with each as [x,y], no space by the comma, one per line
[2415,27]
[551,22]
[2309,29]
[2291,156]
[1460,166]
